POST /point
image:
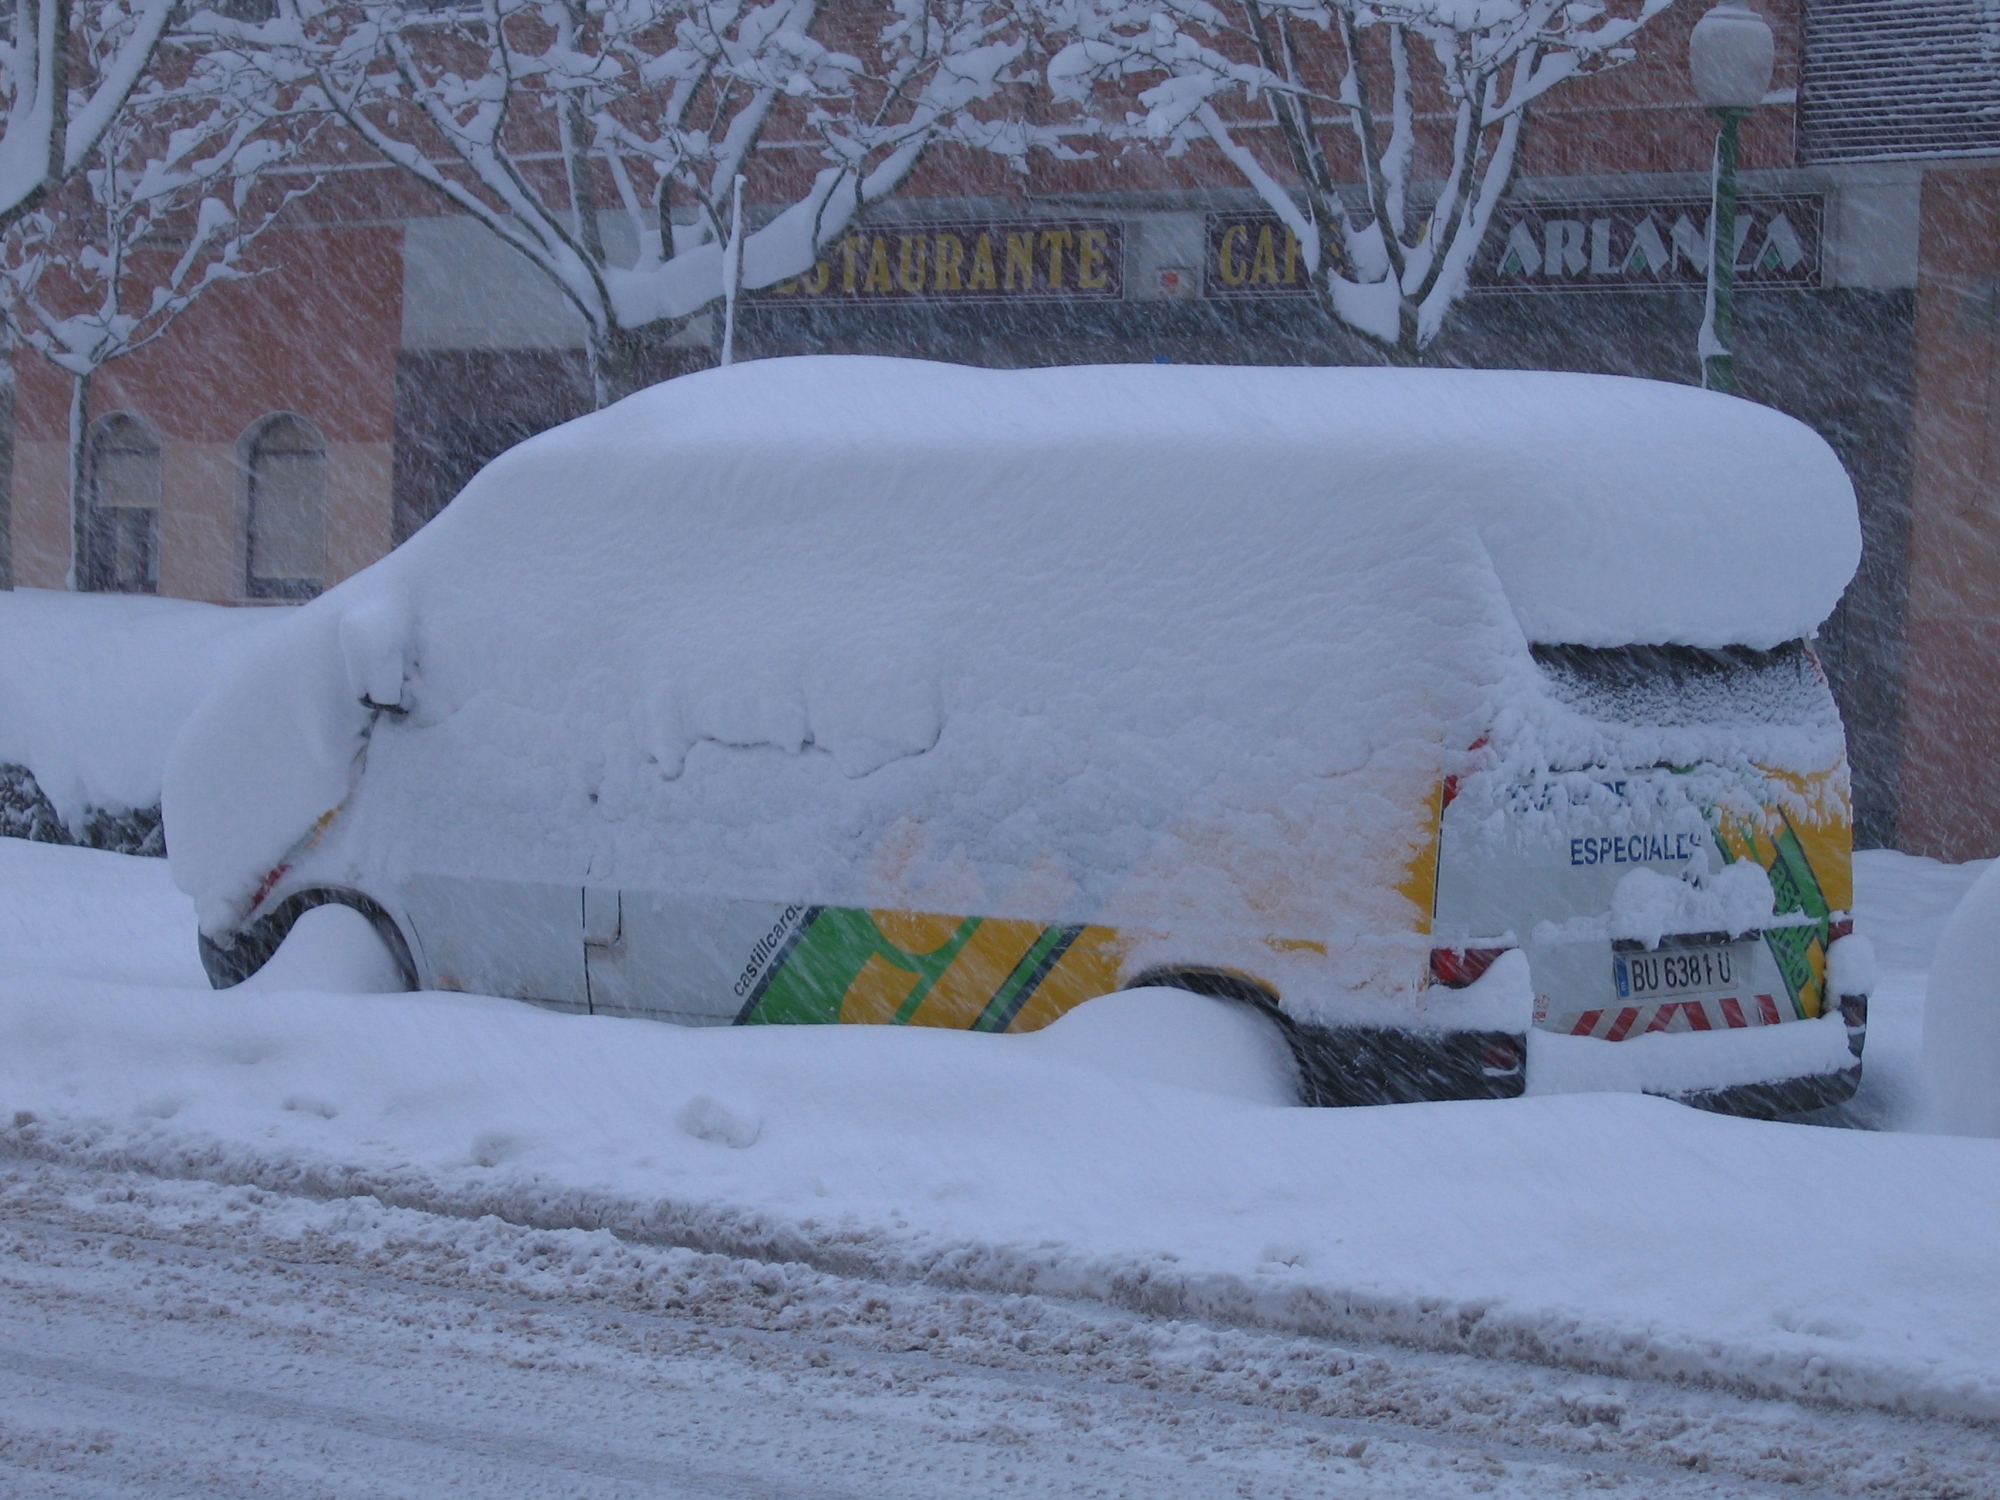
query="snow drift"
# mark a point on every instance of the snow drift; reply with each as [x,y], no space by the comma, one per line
[1206,632]
[1962,1016]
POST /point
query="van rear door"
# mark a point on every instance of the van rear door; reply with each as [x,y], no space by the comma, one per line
[1613,870]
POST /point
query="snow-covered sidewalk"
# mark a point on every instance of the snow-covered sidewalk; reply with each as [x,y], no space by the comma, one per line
[1104,1157]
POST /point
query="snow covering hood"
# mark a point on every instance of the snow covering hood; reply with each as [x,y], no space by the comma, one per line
[1125,604]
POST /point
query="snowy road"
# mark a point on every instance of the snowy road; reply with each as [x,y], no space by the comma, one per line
[170,1338]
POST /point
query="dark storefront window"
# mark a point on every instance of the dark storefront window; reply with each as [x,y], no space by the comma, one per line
[122,525]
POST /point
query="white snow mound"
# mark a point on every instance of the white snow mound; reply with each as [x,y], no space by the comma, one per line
[1179,1039]
[1606,1232]
[1962,1016]
[332,950]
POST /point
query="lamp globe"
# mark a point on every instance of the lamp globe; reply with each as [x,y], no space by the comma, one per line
[1730,56]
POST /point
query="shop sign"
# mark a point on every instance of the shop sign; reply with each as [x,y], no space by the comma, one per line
[1005,260]
[1254,255]
[1550,247]
[1627,247]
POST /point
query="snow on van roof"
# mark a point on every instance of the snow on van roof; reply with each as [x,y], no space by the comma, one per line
[1153,646]
[1616,511]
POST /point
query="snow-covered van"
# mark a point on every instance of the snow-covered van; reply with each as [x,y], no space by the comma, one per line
[1465,723]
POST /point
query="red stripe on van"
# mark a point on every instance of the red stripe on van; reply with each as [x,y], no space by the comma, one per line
[1697,1014]
[1586,1023]
[1732,1011]
[1623,1024]
[1768,1009]
[264,886]
[1663,1017]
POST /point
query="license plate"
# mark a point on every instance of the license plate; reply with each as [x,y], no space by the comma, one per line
[1674,970]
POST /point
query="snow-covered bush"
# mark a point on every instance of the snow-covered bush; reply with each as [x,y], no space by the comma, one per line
[93,690]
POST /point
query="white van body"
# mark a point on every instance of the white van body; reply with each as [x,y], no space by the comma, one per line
[1128,672]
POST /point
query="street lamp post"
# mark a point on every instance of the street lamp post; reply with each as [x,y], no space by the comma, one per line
[1730,54]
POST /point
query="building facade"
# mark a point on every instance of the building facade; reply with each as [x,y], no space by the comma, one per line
[293,428]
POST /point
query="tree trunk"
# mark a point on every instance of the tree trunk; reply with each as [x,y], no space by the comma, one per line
[79,508]
[1408,349]
[624,360]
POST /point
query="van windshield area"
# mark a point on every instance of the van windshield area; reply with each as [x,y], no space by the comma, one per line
[1669,686]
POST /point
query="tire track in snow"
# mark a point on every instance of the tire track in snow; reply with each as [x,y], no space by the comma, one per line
[196,1400]
[1155,1286]
[995,1373]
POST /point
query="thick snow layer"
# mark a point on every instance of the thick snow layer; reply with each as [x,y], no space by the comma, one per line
[1681,1063]
[94,687]
[1851,968]
[1646,904]
[89,914]
[1619,1233]
[1962,1016]
[1168,648]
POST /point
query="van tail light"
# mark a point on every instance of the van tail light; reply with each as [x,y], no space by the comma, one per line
[1455,968]
[1838,930]
[1500,1057]
[1451,781]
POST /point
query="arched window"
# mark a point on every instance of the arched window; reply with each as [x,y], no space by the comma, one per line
[122,521]
[285,520]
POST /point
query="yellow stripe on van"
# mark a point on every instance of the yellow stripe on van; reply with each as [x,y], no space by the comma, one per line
[1087,968]
[1420,876]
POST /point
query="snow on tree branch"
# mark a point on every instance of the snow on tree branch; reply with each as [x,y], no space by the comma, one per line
[56,113]
[1283,89]
[601,138]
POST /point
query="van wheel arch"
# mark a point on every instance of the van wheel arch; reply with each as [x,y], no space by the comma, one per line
[1352,1065]
[1217,984]
[231,964]
[1240,989]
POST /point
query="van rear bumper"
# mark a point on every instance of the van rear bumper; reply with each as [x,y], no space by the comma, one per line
[1772,1101]
[1796,1096]
[1390,1065]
